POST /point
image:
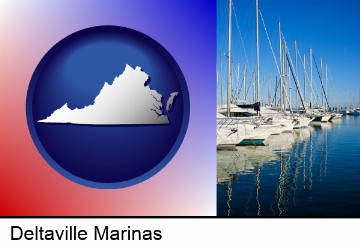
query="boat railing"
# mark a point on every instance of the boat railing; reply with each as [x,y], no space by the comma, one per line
[226,122]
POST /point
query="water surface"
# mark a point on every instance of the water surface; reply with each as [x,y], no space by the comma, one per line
[310,172]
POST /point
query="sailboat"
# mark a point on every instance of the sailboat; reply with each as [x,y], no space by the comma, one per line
[255,129]
[230,131]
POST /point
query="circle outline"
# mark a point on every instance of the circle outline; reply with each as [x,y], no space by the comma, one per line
[113,185]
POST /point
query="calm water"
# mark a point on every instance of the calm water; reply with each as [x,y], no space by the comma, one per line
[311,172]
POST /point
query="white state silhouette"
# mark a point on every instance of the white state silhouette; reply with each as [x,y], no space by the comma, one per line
[126,101]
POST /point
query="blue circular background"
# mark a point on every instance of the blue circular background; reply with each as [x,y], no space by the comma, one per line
[73,72]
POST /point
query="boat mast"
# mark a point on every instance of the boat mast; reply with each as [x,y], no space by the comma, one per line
[257,53]
[269,95]
[263,94]
[276,87]
[281,67]
[237,91]
[285,78]
[311,79]
[297,73]
[321,78]
[229,62]
[304,78]
[326,81]
[283,71]
[254,89]
[288,80]
[244,85]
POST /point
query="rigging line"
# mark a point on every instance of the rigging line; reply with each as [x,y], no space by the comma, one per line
[219,75]
[302,63]
[272,50]
[221,40]
[281,81]
[313,87]
[266,88]
[241,87]
[237,89]
[295,79]
[316,96]
[307,77]
[221,19]
[239,82]
[248,19]
[239,34]
[224,38]
[287,53]
[303,66]
[267,35]
[250,84]
[276,88]
[236,82]
[322,86]
[332,87]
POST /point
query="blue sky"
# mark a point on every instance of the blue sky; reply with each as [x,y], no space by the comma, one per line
[330,28]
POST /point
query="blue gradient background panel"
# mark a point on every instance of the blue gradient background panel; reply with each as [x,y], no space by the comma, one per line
[186,29]
[74,72]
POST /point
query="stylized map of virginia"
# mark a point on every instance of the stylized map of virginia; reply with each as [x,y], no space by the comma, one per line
[126,101]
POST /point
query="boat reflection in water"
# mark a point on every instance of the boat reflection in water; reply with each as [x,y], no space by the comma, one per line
[275,179]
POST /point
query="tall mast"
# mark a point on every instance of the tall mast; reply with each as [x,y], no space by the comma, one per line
[311,78]
[238,84]
[254,89]
[288,82]
[285,77]
[263,94]
[269,95]
[326,81]
[297,72]
[321,79]
[257,52]
[244,86]
[304,78]
[276,83]
[229,62]
[281,68]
